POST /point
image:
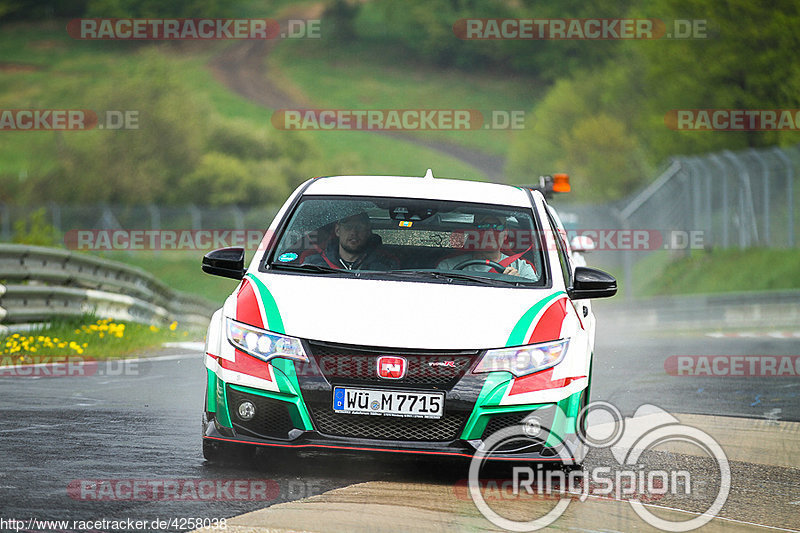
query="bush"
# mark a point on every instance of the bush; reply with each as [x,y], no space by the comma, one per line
[35,230]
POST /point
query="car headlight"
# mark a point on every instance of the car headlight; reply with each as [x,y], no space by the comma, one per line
[263,344]
[523,360]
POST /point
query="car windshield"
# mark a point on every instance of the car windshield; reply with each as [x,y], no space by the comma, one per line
[420,240]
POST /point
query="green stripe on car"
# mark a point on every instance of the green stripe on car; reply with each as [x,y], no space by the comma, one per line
[274,320]
[517,337]
[284,375]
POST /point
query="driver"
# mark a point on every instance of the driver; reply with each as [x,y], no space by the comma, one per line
[354,248]
[489,250]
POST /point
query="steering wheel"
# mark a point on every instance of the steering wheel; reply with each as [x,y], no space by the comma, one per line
[463,264]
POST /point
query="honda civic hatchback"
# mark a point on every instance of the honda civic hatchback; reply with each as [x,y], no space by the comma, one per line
[405,315]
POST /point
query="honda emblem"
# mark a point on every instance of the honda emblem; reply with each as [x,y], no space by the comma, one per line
[391,367]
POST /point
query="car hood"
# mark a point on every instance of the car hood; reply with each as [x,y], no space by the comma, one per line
[401,314]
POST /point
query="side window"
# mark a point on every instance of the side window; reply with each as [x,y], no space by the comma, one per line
[563,256]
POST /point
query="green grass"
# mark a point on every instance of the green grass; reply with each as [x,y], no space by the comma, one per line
[366,75]
[86,336]
[756,269]
[55,71]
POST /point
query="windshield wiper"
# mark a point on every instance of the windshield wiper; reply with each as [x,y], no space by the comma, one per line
[450,276]
[322,269]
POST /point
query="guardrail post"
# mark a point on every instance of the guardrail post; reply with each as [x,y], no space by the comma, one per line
[725,232]
[55,213]
[765,175]
[155,224]
[197,217]
[789,191]
[5,222]
[238,217]
[748,231]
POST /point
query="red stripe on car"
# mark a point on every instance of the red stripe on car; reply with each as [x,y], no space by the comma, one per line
[540,381]
[247,364]
[549,326]
[247,309]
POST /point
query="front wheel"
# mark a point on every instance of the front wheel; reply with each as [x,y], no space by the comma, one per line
[217,451]
[214,450]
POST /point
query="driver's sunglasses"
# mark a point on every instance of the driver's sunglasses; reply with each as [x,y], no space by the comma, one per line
[488,225]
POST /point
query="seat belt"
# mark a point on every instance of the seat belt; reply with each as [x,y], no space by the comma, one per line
[510,259]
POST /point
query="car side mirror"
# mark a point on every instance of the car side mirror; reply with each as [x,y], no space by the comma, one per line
[592,283]
[225,262]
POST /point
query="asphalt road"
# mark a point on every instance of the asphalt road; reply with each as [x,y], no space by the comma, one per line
[142,422]
[629,370]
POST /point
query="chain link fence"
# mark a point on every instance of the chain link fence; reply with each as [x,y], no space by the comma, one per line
[737,199]
[723,200]
[720,200]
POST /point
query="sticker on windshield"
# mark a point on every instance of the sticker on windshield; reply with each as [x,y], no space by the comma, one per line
[287,257]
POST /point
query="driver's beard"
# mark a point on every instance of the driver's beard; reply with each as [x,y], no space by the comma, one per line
[358,250]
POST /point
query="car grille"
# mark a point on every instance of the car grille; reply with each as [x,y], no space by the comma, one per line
[444,429]
[342,362]
[272,418]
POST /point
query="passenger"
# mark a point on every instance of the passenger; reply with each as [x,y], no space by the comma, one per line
[490,251]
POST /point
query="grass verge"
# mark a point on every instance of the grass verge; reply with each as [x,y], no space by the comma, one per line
[86,337]
[374,75]
[43,68]
[756,269]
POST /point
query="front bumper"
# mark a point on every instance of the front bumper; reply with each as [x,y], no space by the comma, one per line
[299,415]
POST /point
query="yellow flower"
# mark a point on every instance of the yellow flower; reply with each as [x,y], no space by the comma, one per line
[153,328]
[173,326]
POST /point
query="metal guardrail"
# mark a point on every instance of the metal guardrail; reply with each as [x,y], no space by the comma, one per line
[772,310]
[38,284]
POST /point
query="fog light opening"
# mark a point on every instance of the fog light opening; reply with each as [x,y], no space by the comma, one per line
[532,427]
[246,410]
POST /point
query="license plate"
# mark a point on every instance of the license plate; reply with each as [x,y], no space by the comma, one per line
[352,401]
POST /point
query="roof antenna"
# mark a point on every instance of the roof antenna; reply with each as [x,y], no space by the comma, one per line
[429,174]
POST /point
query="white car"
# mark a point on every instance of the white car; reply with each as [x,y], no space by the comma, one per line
[403,314]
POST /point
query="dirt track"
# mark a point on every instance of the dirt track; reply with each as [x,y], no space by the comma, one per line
[242,67]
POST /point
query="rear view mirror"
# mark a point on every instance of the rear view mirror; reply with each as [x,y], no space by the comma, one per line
[225,262]
[592,283]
